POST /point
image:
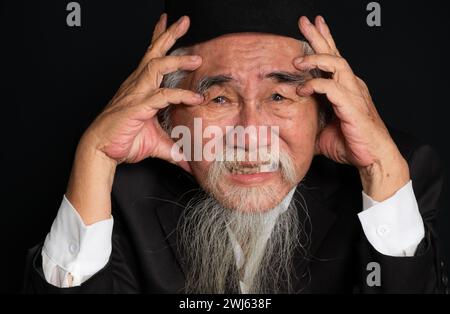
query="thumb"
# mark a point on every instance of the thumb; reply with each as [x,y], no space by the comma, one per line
[331,144]
[169,151]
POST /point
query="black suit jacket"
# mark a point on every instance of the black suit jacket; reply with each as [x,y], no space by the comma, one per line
[148,200]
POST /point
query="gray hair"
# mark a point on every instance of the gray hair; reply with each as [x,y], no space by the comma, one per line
[174,79]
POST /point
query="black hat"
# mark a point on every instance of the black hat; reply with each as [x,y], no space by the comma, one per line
[213,18]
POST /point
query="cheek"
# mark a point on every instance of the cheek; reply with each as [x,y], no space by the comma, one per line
[210,115]
[299,131]
[181,115]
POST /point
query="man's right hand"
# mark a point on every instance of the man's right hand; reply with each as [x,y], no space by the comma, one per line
[127,131]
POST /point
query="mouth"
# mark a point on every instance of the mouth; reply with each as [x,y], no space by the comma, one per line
[250,174]
[248,168]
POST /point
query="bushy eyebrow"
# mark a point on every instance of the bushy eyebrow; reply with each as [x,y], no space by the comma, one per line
[288,77]
[280,77]
[208,81]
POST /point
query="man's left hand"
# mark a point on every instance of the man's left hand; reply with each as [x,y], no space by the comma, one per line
[358,135]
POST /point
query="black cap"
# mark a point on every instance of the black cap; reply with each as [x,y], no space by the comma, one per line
[213,18]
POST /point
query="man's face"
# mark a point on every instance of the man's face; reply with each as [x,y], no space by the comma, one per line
[249,80]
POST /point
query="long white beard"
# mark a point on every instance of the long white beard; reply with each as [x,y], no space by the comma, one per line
[209,256]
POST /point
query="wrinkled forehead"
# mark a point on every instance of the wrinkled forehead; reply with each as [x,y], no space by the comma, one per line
[247,54]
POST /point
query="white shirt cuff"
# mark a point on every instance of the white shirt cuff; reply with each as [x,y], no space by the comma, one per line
[72,251]
[393,227]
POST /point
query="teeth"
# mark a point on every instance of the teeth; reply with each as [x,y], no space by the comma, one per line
[266,167]
[244,170]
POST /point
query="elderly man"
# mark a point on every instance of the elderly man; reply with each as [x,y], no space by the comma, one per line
[293,221]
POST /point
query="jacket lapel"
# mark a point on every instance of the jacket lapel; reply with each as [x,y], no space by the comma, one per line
[182,188]
[168,216]
[322,192]
[317,191]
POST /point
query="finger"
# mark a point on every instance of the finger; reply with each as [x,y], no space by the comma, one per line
[162,98]
[153,74]
[160,27]
[314,37]
[342,102]
[338,66]
[168,38]
[177,96]
[326,33]
[319,86]
[160,33]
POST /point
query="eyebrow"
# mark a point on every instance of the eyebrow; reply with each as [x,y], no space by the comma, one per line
[208,81]
[280,77]
[288,77]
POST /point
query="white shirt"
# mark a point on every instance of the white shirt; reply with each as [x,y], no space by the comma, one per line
[74,252]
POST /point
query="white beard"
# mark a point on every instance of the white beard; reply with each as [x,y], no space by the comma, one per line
[209,257]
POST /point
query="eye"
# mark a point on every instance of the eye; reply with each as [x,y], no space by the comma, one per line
[220,100]
[277,97]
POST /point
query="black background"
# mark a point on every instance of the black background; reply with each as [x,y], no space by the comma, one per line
[56,79]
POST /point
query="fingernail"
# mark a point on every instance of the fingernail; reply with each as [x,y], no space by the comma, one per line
[299,60]
[181,20]
[199,97]
[301,91]
[195,58]
[308,22]
[322,20]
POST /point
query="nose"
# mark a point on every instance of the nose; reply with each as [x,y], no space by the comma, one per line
[251,114]
[256,123]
